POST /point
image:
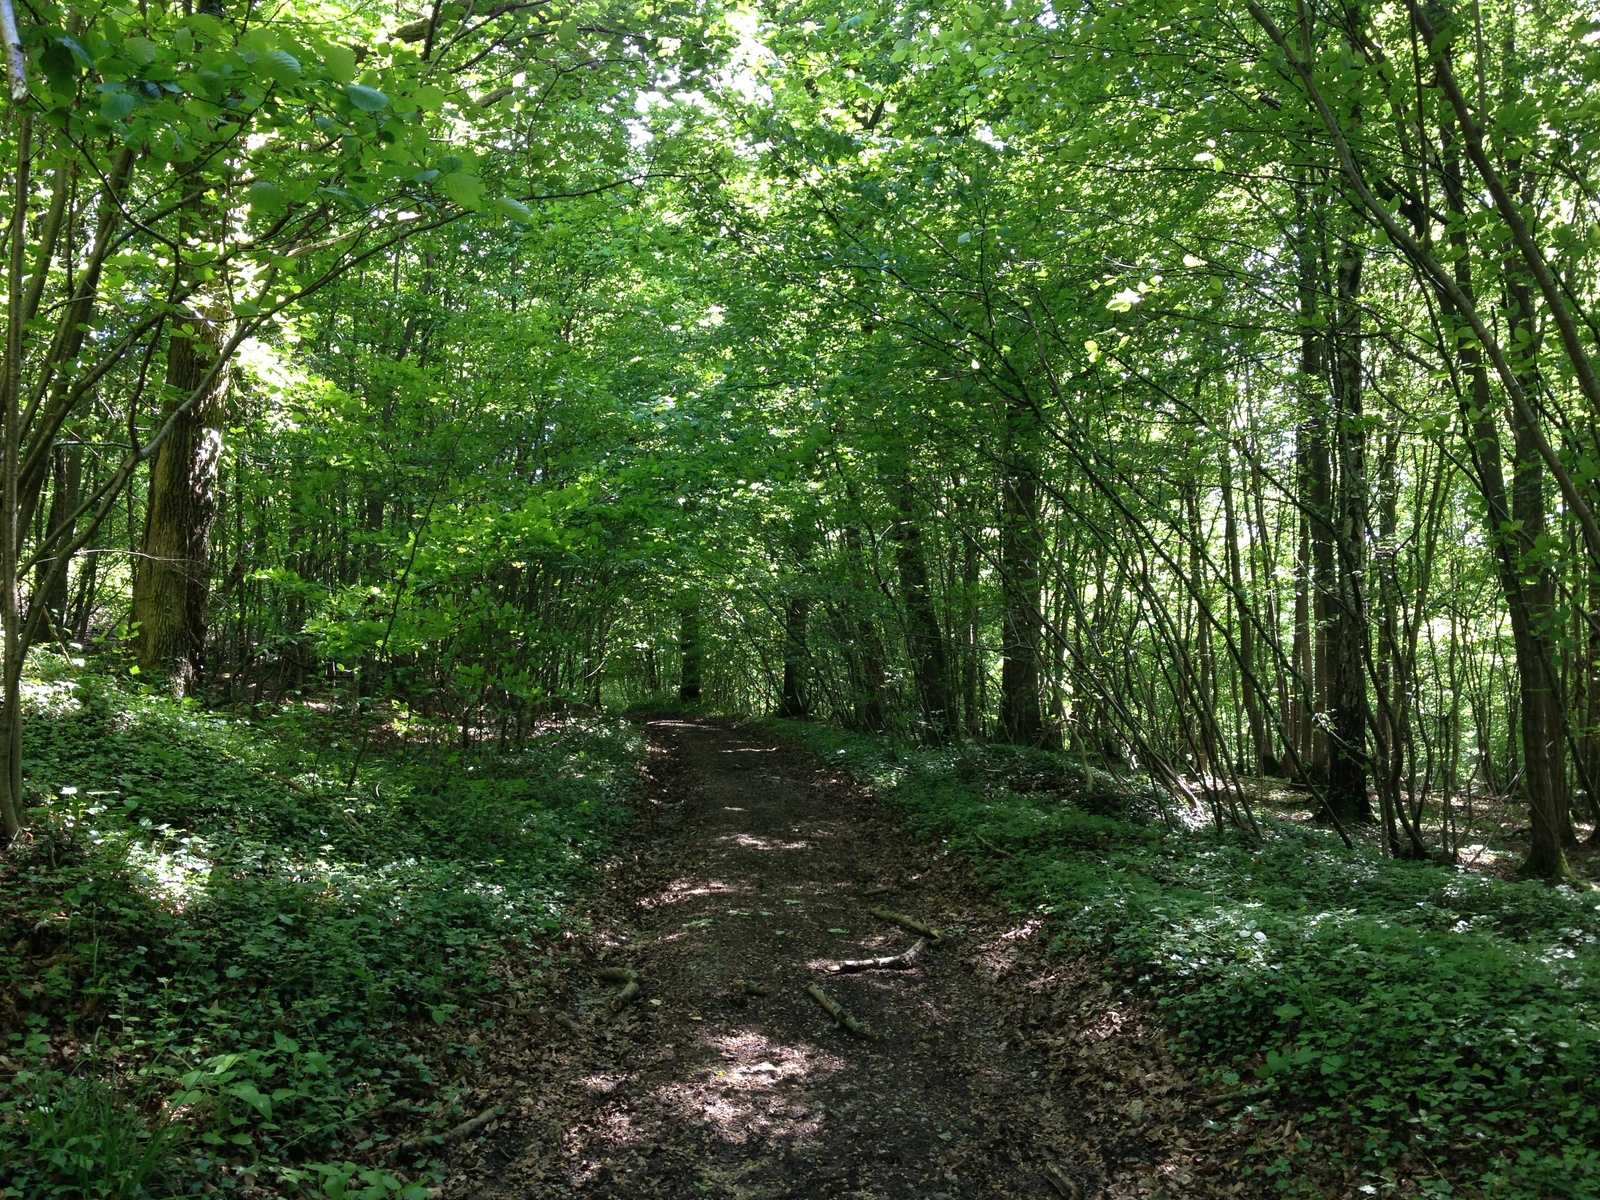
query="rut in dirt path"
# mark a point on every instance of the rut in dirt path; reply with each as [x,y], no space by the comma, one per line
[754,865]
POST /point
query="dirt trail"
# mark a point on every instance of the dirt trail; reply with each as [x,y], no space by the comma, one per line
[989,1075]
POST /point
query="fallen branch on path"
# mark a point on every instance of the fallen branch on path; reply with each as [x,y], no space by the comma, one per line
[464,1130]
[627,977]
[889,962]
[840,1018]
[905,922]
[626,996]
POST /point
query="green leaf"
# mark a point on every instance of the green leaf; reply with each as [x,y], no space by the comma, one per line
[75,48]
[59,68]
[1287,1012]
[265,195]
[341,63]
[116,106]
[248,1093]
[366,99]
[279,66]
[429,97]
[462,188]
[514,209]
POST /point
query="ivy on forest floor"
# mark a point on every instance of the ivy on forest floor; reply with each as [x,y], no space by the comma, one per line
[222,967]
[1435,1030]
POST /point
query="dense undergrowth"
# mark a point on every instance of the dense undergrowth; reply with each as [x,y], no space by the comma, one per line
[1433,1031]
[224,966]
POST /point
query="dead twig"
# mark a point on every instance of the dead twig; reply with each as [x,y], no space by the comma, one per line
[889,962]
[1063,1183]
[840,1018]
[905,922]
[991,846]
[464,1130]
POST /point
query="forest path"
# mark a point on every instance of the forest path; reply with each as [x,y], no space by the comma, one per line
[754,862]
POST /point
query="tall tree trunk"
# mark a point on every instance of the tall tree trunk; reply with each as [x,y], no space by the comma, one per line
[1512,546]
[1391,726]
[866,655]
[1021,718]
[971,650]
[925,642]
[1315,472]
[172,575]
[1543,726]
[1589,684]
[1202,661]
[1348,636]
[10,530]
[1302,710]
[795,700]
[691,651]
[67,472]
[1260,741]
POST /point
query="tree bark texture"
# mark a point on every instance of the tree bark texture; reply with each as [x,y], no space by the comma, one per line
[795,700]
[925,641]
[1349,635]
[67,478]
[172,575]
[1021,718]
[691,651]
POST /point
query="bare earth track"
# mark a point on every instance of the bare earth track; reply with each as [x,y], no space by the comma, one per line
[993,1072]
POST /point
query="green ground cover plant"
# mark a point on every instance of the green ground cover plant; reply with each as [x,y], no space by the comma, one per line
[224,962]
[1413,1015]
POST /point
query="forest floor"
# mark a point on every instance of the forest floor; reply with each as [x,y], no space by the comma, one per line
[992,1069]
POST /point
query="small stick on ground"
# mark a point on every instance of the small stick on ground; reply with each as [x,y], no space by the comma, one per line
[889,962]
[840,1018]
[464,1130]
[905,922]
[1063,1183]
[617,975]
[1002,852]
[626,996]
